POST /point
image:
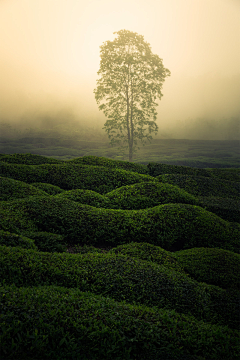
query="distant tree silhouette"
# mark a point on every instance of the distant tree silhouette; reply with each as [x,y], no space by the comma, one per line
[131,79]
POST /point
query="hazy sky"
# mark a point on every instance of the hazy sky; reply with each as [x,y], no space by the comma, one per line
[49,54]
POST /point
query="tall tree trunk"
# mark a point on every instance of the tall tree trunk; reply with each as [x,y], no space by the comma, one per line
[131,125]
[130,134]
[130,153]
[127,119]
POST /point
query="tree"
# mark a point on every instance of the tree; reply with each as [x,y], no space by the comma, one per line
[131,79]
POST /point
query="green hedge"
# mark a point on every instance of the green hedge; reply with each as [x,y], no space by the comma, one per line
[226,174]
[72,176]
[85,249]
[87,197]
[132,197]
[203,186]
[156,169]
[149,252]
[213,266]
[153,169]
[227,209]
[9,239]
[109,163]
[28,159]
[123,279]
[42,241]
[53,322]
[11,189]
[147,195]
[171,226]
[56,323]
[47,241]
[48,188]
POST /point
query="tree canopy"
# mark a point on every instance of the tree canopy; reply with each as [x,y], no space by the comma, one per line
[130,81]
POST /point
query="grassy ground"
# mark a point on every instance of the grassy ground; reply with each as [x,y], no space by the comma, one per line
[196,153]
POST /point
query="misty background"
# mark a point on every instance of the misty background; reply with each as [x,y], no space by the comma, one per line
[49,58]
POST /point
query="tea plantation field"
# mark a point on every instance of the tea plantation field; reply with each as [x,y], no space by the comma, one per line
[106,259]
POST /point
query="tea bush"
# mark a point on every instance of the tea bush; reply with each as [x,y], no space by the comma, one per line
[128,230]
[48,242]
[149,252]
[72,176]
[213,266]
[156,169]
[11,189]
[48,188]
[85,249]
[123,279]
[9,239]
[147,195]
[228,209]
[203,186]
[226,174]
[132,197]
[28,159]
[109,163]
[171,226]
[87,197]
[51,322]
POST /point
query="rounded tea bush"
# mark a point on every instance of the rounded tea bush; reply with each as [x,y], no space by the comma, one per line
[149,252]
[28,159]
[228,209]
[48,188]
[203,186]
[11,189]
[9,239]
[213,266]
[123,279]
[48,242]
[87,197]
[170,226]
[147,195]
[109,163]
[82,325]
[156,169]
[70,176]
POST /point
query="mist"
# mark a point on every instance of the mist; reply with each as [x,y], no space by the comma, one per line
[49,59]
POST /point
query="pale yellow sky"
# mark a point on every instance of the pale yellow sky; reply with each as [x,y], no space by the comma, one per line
[49,54]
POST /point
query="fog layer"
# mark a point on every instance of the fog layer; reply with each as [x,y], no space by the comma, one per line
[49,58]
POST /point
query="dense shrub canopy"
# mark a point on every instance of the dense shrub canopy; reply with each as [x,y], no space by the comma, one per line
[155,274]
[87,197]
[48,188]
[123,279]
[11,189]
[203,186]
[213,266]
[73,176]
[149,252]
[90,326]
[156,169]
[228,209]
[147,195]
[109,163]
[170,226]
[9,239]
[28,159]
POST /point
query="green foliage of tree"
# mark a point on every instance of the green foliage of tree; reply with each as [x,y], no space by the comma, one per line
[130,81]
